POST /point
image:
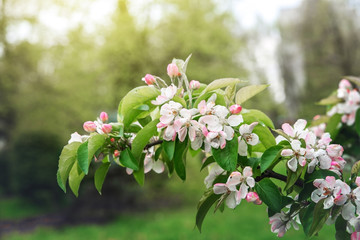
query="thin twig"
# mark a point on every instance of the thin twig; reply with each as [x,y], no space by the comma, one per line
[272,174]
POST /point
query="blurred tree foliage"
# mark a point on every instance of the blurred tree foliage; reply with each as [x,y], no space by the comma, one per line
[327,34]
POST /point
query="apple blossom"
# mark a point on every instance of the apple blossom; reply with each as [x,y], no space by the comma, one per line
[296,132]
[235,109]
[106,128]
[254,198]
[173,70]
[281,222]
[116,153]
[355,236]
[167,94]
[89,126]
[247,137]
[75,137]
[184,122]
[104,116]
[194,84]
[214,171]
[149,79]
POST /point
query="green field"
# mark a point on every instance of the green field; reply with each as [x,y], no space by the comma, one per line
[246,222]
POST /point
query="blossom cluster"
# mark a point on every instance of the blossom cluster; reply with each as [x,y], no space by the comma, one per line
[307,148]
[350,102]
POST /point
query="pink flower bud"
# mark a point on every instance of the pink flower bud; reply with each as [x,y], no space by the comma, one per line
[149,79]
[194,84]
[235,109]
[173,70]
[116,153]
[344,84]
[106,128]
[316,117]
[254,198]
[103,116]
[357,181]
[89,126]
[112,139]
[355,236]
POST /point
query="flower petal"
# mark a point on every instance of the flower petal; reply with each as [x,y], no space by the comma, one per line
[292,164]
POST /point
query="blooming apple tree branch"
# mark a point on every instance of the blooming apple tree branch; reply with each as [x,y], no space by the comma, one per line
[157,124]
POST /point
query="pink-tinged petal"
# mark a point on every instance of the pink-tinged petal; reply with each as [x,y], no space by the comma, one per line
[185,113]
[169,133]
[222,143]
[148,164]
[211,135]
[335,150]
[296,145]
[318,183]
[129,171]
[192,133]
[340,200]
[220,188]
[182,134]
[330,180]
[231,200]
[357,181]
[158,166]
[310,139]
[202,107]
[205,131]
[177,125]
[302,161]
[235,120]
[288,129]
[344,84]
[159,100]
[292,164]
[252,126]
[242,149]
[300,125]
[329,202]
[247,171]
[355,236]
[161,125]
[287,152]
[252,139]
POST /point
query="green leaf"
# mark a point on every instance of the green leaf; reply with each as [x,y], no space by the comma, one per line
[306,217]
[353,79]
[306,191]
[75,178]
[128,107]
[269,194]
[355,170]
[66,161]
[139,175]
[257,116]
[333,125]
[227,157]
[340,227]
[158,152]
[142,138]
[82,156]
[180,157]
[319,174]
[179,100]
[128,160]
[144,121]
[220,99]
[221,83]
[100,175]
[59,182]
[169,148]
[208,161]
[292,177]
[357,121]
[230,93]
[319,218]
[265,136]
[331,100]
[95,142]
[248,92]
[204,205]
[269,157]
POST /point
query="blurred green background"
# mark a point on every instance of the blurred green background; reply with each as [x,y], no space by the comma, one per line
[63,62]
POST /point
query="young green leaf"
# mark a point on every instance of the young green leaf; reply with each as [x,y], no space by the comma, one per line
[100,175]
[142,138]
[208,161]
[330,100]
[333,125]
[227,157]
[319,218]
[269,194]
[253,115]
[248,92]
[139,175]
[357,122]
[95,142]
[169,148]
[204,205]
[221,83]
[306,217]
[128,160]
[66,161]
[353,79]
[269,157]
[292,177]
[75,178]
[340,227]
[319,174]
[180,157]
[82,156]
[265,136]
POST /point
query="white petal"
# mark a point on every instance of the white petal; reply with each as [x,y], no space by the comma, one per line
[329,202]
[197,143]
[220,188]
[252,139]
[247,172]
[300,125]
[292,164]
[244,129]
[325,162]
[182,134]
[235,120]
[250,181]
[296,145]
[287,152]
[158,166]
[243,190]
[242,148]
[229,131]
[316,195]
[231,200]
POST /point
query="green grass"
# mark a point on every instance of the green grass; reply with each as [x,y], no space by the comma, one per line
[17,208]
[246,222]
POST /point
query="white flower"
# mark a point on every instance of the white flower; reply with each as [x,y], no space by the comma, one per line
[297,154]
[166,95]
[75,137]
[296,132]
[333,191]
[214,171]
[247,137]
[207,107]
[185,123]
[281,222]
